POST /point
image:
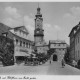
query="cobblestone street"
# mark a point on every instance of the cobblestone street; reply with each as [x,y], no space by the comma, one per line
[46,69]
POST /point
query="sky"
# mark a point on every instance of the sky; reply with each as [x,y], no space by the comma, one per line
[58,17]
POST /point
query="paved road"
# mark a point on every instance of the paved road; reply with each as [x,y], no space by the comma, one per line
[46,69]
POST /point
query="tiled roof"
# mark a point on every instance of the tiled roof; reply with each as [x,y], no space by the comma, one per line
[21,28]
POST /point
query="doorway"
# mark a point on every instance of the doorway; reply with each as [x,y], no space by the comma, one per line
[54,57]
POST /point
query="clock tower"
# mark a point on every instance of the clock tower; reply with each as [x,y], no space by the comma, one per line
[38,32]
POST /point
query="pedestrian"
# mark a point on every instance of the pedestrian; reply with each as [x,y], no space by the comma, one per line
[63,63]
[50,61]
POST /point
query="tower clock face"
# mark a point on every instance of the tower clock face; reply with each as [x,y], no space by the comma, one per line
[37,31]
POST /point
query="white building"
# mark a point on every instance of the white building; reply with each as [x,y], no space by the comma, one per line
[22,45]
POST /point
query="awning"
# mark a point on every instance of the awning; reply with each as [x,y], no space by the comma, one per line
[21,54]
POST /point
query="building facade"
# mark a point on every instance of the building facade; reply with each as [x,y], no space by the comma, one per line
[72,43]
[23,47]
[75,43]
[59,47]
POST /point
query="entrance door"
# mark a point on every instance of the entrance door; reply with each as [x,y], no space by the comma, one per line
[54,57]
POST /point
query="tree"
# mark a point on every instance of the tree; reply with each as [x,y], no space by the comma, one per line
[6,51]
[50,52]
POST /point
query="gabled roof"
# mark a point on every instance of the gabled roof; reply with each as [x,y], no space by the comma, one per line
[4,27]
[22,28]
[74,28]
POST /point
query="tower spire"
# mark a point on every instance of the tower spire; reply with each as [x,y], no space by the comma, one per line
[38,4]
[38,9]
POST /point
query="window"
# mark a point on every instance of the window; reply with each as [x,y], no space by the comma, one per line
[20,43]
[59,44]
[64,44]
[24,44]
[27,45]
[16,41]
[54,44]
[78,53]
[59,49]
[23,34]
[78,39]
[20,31]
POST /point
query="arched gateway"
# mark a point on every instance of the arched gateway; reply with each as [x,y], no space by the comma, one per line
[55,57]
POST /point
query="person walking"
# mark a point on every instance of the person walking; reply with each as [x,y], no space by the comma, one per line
[63,63]
[50,61]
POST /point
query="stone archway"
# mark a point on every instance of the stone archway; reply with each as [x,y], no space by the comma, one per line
[55,57]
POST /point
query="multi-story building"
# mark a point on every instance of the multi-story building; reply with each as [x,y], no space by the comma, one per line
[75,43]
[23,47]
[59,49]
[72,43]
